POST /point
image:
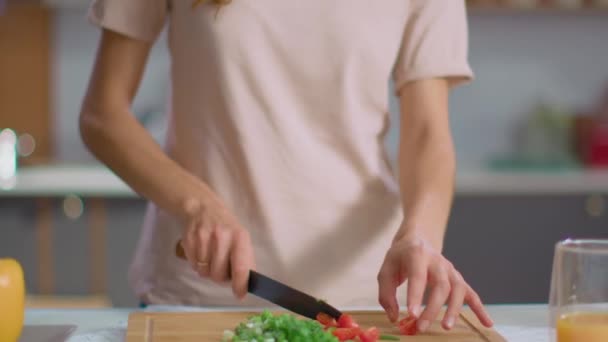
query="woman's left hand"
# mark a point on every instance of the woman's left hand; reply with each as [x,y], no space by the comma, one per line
[414,259]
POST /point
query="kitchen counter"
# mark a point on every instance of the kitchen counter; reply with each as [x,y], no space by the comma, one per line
[62,180]
[97,181]
[517,323]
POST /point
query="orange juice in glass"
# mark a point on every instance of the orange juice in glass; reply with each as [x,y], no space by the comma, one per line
[581,326]
[579,291]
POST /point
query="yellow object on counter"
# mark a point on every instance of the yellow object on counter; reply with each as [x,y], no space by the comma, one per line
[583,327]
[12,298]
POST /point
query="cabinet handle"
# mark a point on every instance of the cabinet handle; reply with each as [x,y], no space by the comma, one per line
[595,206]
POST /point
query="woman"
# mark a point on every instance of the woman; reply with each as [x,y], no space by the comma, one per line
[274,156]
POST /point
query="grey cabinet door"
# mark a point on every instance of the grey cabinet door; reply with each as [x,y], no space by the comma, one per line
[124,221]
[70,240]
[503,245]
[18,236]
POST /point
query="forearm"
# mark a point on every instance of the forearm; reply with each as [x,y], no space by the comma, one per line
[117,139]
[426,162]
[427,182]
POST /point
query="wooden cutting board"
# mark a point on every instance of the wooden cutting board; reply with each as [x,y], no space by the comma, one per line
[209,327]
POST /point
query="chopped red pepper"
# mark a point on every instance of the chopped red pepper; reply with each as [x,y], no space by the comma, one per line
[370,335]
[344,334]
[407,326]
[347,321]
[326,320]
[346,328]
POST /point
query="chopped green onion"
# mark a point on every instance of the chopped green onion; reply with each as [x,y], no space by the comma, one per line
[389,338]
[267,327]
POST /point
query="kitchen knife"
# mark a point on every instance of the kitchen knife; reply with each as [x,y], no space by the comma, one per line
[281,294]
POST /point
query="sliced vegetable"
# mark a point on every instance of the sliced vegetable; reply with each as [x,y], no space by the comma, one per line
[389,338]
[267,327]
[369,335]
[326,320]
[344,334]
[407,326]
[347,321]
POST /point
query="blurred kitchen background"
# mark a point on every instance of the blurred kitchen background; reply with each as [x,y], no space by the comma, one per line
[531,134]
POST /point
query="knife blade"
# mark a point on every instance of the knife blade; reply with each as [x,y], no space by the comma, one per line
[282,295]
[288,297]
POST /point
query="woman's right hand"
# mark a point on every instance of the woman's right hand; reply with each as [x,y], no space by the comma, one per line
[217,246]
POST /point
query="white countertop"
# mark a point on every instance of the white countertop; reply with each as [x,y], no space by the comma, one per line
[61,180]
[517,323]
[95,180]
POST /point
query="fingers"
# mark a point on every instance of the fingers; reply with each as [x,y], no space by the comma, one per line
[388,283]
[474,302]
[220,259]
[416,284]
[456,299]
[424,269]
[241,262]
[216,246]
[189,243]
[440,290]
[189,240]
[203,252]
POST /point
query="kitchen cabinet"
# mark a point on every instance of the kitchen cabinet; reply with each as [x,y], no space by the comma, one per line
[18,237]
[537,4]
[124,221]
[72,256]
[51,247]
[503,245]
[25,96]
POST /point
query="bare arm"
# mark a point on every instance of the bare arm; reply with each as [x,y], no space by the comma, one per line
[116,138]
[214,242]
[426,160]
[427,168]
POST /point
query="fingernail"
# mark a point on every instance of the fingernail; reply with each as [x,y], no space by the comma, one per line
[423,325]
[449,322]
[415,310]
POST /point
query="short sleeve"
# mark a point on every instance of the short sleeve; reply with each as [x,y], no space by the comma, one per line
[435,43]
[138,19]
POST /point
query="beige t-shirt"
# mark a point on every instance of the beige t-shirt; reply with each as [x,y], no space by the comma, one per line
[281,106]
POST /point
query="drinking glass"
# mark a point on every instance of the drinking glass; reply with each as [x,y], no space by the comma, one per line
[579,291]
